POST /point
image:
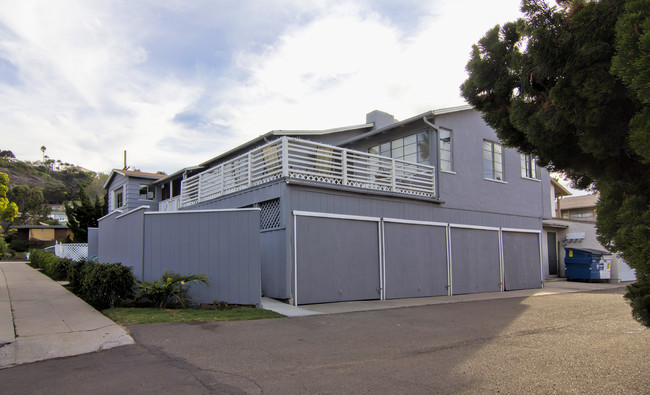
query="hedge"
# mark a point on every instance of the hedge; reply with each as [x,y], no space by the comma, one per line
[102,285]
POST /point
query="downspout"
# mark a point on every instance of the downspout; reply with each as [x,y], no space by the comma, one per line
[426,121]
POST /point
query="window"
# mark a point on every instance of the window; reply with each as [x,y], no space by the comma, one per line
[445,145]
[412,148]
[492,161]
[118,197]
[147,192]
[529,167]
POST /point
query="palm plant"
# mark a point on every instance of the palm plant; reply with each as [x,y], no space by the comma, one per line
[170,288]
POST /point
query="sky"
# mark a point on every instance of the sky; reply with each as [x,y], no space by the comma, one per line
[177,82]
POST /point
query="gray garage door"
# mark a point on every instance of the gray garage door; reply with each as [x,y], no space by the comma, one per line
[475,260]
[415,260]
[337,260]
[521,260]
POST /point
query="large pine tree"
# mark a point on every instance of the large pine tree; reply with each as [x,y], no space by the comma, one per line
[571,84]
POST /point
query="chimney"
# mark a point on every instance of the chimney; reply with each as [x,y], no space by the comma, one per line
[380,119]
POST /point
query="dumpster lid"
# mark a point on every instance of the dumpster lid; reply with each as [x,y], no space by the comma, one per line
[589,250]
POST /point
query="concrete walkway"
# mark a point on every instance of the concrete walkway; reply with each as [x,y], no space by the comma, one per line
[551,287]
[39,319]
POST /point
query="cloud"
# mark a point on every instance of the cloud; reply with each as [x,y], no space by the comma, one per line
[178,82]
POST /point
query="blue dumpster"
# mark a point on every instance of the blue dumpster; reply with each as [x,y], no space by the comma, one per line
[586,264]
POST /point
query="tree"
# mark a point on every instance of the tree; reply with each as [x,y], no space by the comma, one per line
[31,204]
[84,214]
[570,85]
[6,154]
[8,210]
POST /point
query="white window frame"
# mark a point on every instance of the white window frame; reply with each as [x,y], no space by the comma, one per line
[451,151]
[388,147]
[122,191]
[496,175]
[529,167]
[150,189]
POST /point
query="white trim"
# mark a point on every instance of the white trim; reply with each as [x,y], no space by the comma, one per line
[447,171]
[531,179]
[295,260]
[413,222]
[449,263]
[133,211]
[109,214]
[517,230]
[541,261]
[335,216]
[461,226]
[495,180]
[382,261]
[502,271]
[226,210]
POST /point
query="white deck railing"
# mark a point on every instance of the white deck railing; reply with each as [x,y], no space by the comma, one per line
[309,161]
[172,204]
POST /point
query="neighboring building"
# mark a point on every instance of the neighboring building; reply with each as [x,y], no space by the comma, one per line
[57,212]
[574,225]
[578,208]
[47,234]
[431,205]
[128,189]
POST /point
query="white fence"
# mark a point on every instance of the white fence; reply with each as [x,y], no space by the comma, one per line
[172,204]
[74,251]
[309,161]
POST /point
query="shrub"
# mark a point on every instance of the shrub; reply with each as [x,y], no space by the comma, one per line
[171,288]
[74,274]
[19,245]
[104,285]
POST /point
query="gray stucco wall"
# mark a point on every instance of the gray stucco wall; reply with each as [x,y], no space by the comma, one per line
[224,245]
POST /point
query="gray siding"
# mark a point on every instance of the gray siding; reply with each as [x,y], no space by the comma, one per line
[132,192]
[475,261]
[337,260]
[415,260]
[93,242]
[466,189]
[521,260]
[225,245]
[121,239]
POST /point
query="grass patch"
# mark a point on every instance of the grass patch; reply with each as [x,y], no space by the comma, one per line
[141,315]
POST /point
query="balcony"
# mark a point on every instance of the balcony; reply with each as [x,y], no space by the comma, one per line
[297,159]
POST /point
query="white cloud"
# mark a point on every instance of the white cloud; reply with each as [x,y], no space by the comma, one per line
[177,83]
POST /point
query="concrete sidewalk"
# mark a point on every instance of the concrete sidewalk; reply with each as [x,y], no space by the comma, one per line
[39,319]
[551,287]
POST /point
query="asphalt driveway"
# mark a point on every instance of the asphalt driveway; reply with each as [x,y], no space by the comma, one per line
[565,343]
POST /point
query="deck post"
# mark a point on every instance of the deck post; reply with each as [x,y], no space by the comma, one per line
[285,157]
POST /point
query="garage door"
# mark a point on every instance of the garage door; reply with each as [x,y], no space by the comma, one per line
[475,260]
[415,260]
[521,260]
[336,260]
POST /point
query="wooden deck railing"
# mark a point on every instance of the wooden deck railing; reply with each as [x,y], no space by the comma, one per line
[306,160]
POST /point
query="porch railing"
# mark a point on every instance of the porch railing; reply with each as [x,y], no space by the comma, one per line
[306,160]
[172,204]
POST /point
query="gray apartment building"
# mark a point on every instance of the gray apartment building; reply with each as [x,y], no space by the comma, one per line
[430,205]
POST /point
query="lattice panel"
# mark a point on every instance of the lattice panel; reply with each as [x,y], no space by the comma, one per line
[270,214]
[74,251]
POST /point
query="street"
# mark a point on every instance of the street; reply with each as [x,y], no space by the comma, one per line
[567,343]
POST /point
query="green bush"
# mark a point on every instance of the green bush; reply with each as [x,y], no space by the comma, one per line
[19,245]
[171,288]
[105,285]
[74,274]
